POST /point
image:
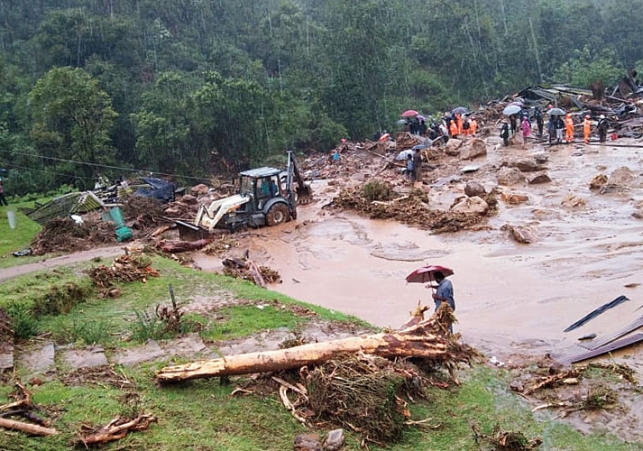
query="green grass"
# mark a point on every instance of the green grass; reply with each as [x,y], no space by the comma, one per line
[201,415]
[12,240]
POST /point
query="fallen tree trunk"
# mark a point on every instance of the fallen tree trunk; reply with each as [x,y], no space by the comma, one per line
[29,428]
[428,339]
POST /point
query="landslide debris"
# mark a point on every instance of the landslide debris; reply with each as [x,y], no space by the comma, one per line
[64,235]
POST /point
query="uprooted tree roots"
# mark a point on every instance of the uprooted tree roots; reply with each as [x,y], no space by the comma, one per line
[412,209]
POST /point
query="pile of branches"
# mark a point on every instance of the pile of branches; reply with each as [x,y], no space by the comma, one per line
[365,393]
[126,268]
[412,209]
[116,429]
[64,235]
[221,246]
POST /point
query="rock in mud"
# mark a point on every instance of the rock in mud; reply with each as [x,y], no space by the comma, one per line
[520,234]
[470,205]
[540,178]
[510,176]
[524,164]
[599,181]
[476,148]
[618,180]
[474,189]
[572,201]
[453,147]
[541,158]
[513,198]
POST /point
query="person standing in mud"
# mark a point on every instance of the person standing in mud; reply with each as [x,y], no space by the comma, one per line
[560,127]
[410,170]
[443,293]
[569,129]
[539,121]
[587,128]
[417,165]
[512,123]
[504,133]
[526,130]
[603,125]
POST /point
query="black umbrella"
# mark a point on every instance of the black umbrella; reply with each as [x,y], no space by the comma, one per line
[460,110]
[556,112]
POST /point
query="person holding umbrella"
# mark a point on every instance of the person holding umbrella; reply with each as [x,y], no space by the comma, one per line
[443,293]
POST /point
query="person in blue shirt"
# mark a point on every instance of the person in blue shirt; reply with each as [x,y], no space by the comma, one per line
[443,293]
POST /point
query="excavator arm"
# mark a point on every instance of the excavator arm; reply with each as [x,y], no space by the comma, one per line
[304,194]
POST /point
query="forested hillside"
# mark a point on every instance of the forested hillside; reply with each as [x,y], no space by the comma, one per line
[194,86]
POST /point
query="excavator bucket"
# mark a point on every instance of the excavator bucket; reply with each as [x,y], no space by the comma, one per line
[304,194]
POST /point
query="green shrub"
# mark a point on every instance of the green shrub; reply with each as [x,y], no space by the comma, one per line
[23,323]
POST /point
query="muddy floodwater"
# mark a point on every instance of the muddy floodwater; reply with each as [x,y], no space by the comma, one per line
[510,297]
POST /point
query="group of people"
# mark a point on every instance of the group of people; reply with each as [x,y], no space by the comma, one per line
[450,126]
[458,125]
[559,127]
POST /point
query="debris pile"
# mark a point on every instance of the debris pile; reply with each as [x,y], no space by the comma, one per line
[126,268]
[64,235]
[412,209]
[144,212]
[588,390]
[246,269]
[506,440]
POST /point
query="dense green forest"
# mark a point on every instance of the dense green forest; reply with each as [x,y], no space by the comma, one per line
[192,87]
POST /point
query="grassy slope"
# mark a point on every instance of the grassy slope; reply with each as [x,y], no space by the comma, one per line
[12,240]
[202,416]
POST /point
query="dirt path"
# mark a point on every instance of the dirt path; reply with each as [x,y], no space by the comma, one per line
[14,271]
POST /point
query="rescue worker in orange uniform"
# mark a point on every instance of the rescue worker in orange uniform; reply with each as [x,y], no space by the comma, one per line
[453,129]
[587,128]
[569,128]
[458,118]
[473,125]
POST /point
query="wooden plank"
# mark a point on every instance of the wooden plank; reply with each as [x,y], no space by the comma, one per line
[604,349]
[594,345]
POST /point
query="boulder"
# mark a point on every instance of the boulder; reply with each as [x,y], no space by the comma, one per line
[513,198]
[510,176]
[334,440]
[523,235]
[453,147]
[599,181]
[307,442]
[474,189]
[199,189]
[572,201]
[476,148]
[541,158]
[540,178]
[524,164]
[621,176]
[470,205]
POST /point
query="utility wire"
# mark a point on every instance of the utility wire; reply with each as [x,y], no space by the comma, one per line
[106,166]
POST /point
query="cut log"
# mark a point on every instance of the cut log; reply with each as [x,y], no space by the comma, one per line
[253,269]
[428,339]
[27,427]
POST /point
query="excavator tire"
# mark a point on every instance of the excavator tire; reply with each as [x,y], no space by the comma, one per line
[277,214]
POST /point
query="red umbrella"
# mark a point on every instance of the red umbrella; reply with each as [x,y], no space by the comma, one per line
[410,113]
[425,274]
